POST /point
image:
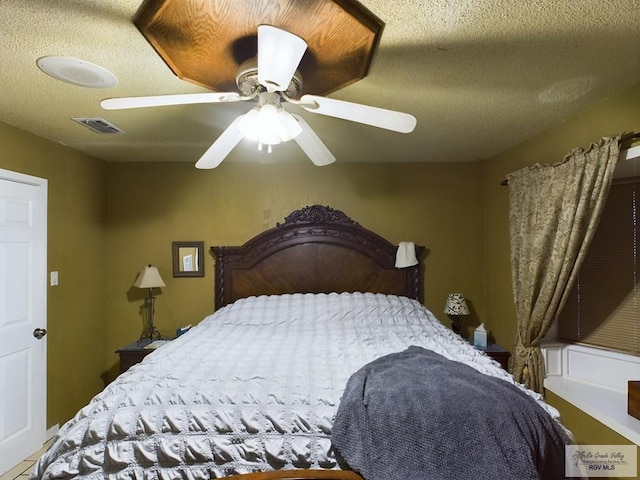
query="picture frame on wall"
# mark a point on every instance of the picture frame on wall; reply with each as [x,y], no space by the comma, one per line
[188,259]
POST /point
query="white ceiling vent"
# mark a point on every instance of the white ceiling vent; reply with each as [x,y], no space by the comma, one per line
[99,125]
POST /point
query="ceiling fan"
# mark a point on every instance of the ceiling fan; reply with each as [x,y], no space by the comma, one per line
[272,79]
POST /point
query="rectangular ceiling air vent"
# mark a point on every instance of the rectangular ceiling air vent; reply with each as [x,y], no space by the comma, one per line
[99,125]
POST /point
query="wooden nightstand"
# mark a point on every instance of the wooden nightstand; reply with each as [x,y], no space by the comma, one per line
[133,353]
[498,353]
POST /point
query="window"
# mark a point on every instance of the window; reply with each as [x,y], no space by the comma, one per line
[603,308]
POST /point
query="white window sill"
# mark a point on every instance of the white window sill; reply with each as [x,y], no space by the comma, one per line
[594,381]
[605,405]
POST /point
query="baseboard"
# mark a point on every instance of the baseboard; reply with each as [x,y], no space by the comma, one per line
[50,433]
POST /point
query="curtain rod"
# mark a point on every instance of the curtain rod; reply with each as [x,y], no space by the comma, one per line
[624,139]
[629,137]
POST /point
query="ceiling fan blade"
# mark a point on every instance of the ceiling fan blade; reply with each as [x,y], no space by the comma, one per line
[217,152]
[374,116]
[279,54]
[164,100]
[311,144]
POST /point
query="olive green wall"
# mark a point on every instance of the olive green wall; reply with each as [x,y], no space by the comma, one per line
[618,114]
[76,245]
[587,430]
[151,205]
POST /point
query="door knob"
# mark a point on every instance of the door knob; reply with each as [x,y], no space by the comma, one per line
[39,333]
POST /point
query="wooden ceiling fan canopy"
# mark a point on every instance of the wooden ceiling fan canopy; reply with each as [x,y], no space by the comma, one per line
[205,41]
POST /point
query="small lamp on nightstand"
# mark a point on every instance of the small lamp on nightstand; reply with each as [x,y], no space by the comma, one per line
[150,278]
[456,307]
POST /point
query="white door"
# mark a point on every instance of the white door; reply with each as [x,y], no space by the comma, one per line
[23,309]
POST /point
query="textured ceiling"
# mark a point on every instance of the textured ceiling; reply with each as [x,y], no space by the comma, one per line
[479,75]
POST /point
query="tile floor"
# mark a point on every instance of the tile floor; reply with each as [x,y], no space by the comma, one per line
[23,469]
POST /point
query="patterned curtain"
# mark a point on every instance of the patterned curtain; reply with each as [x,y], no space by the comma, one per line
[553,213]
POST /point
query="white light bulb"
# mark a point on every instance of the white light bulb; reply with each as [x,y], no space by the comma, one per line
[269,125]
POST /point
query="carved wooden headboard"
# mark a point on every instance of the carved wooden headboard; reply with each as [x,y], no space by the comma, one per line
[316,250]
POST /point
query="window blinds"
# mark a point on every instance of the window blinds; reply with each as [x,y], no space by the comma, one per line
[603,307]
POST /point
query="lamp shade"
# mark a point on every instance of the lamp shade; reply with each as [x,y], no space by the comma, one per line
[149,277]
[456,305]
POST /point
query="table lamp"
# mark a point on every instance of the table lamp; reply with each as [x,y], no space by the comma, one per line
[456,307]
[149,278]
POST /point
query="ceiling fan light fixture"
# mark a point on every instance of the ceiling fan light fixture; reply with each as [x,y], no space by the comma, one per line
[279,54]
[268,125]
[289,127]
[268,128]
[260,124]
[248,125]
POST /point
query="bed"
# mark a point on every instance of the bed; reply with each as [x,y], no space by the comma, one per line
[252,392]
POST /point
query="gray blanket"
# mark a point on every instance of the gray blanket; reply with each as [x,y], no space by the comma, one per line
[417,415]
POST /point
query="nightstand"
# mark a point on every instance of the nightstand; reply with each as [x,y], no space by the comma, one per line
[133,353]
[498,353]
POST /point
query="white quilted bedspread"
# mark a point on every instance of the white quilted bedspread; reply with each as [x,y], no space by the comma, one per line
[253,387]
